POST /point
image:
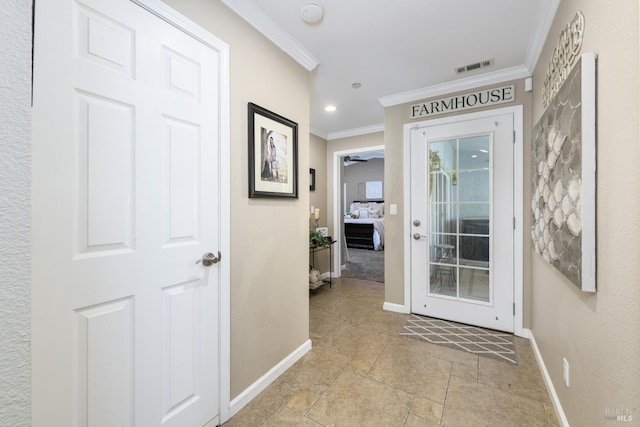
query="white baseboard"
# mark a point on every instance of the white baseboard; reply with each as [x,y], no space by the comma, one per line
[263,382]
[396,308]
[547,379]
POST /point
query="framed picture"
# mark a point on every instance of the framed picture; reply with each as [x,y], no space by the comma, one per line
[373,189]
[273,155]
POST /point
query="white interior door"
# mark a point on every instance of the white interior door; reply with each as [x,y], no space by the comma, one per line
[462,221]
[125,201]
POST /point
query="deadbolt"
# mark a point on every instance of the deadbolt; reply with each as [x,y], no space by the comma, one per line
[416,223]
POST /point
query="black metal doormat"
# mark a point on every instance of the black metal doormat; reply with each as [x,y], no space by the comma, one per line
[483,342]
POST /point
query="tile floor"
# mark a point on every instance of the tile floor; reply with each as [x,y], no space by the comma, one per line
[360,372]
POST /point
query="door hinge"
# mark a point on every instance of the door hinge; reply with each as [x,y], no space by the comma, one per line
[514,222]
[514,308]
[514,136]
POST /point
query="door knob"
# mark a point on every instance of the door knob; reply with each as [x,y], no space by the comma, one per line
[417,236]
[208,259]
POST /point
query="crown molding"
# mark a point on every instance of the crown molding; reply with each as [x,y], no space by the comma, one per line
[347,133]
[507,74]
[356,132]
[317,132]
[546,14]
[258,19]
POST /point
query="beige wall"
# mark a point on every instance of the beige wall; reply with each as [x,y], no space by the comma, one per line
[395,119]
[318,161]
[362,172]
[599,333]
[269,241]
[318,198]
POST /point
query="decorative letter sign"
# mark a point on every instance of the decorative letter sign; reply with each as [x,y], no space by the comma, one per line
[482,98]
[563,57]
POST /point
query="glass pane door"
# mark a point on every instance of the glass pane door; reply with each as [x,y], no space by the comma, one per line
[460,198]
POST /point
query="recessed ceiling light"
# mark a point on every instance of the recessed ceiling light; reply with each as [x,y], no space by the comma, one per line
[483,151]
[311,13]
[473,156]
[356,85]
[330,108]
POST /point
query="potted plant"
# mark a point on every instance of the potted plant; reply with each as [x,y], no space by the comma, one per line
[317,239]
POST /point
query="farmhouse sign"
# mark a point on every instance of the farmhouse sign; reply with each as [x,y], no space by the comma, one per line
[564,56]
[467,101]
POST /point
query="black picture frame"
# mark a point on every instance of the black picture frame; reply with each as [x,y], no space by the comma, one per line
[273,154]
[312,180]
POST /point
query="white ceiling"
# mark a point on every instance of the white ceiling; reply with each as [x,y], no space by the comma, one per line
[399,50]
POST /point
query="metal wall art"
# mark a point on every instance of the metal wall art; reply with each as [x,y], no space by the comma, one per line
[564,178]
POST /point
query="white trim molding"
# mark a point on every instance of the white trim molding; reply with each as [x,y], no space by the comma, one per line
[527,333]
[518,214]
[263,382]
[366,130]
[261,21]
[317,132]
[486,79]
[336,231]
[396,308]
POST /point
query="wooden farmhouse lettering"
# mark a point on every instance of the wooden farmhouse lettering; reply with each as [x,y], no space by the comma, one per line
[467,101]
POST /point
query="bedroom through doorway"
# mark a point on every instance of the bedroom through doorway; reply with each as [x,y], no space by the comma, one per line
[362,209]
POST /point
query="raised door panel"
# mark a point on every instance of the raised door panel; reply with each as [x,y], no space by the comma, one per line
[105,191]
[181,332]
[104,368]
[181,181]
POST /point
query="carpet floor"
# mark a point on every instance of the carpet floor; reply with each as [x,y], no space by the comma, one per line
[365,264]
[479,341]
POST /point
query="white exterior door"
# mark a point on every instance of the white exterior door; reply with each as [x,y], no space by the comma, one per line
[125,201]
[462,221]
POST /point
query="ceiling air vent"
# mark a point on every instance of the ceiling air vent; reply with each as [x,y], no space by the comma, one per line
[475,66]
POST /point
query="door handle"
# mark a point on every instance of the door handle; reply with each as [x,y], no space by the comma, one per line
[418,236]
[208,259]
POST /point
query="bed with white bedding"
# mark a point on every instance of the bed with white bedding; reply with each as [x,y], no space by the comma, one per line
[364,226]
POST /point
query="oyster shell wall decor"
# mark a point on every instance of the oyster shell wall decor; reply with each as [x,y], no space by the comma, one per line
[563,178]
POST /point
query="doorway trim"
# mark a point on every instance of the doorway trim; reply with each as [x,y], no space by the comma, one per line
[337,193]
[518,180]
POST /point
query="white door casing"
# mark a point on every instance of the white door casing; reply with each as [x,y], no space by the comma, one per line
[338,195]
[497,310]
[129,126]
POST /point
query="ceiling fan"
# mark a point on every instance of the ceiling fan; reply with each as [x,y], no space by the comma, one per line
[354,159]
